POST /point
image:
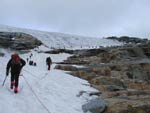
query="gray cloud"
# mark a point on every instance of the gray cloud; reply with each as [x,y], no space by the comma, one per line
[83,17]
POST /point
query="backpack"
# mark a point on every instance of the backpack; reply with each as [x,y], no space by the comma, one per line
[48,60]
[15,59]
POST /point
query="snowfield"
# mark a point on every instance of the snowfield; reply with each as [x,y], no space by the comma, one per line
[61,40]
[42,91]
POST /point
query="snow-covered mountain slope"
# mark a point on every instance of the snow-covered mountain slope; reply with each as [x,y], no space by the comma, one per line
[42,91]
[60,40]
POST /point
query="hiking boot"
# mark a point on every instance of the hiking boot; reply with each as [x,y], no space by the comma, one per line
[16,90]
[11,85]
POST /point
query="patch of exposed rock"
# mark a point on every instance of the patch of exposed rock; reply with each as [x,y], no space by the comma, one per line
[121,74]
[129,40]
[18,41]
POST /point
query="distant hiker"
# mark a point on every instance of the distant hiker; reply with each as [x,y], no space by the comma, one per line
[31,55]
[34,64]
[31,62]
[27,59]
[48,62]
[15,63]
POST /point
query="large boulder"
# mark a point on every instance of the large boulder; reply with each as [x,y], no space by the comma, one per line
[97,105]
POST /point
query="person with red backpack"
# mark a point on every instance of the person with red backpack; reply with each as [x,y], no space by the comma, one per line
[15,63]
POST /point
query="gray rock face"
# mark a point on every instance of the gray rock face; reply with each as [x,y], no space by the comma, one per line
[18,41]
[97,105]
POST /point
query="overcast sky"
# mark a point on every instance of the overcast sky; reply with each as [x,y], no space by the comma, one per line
[98,18]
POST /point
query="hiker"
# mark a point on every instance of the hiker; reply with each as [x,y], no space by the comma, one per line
[31,62]
[48,62]
[15,63]
[34,64]
[31,55]
[27,59]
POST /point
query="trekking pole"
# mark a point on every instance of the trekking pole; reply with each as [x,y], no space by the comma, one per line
[4,80]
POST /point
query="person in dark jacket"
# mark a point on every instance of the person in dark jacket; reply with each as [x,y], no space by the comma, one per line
[15,63]
[27,59]
[48,62]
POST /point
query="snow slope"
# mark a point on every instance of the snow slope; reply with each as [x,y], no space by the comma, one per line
[42,91]
[60,40]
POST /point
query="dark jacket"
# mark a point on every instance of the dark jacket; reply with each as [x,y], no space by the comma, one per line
[15,68]
[48,61]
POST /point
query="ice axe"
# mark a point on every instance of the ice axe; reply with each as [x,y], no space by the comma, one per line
[4,80]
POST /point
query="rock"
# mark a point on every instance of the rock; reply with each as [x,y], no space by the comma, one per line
[138,85]
[127,39]
[139,109]
[97,105]
[89,93]
[114,88]
[128,107]
[120,73]
[84,75]
[139,72]
[66,68]
[18,41]
[107,81]
[136,52]
[106,71]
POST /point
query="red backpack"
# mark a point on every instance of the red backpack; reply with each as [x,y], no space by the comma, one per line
[15,58]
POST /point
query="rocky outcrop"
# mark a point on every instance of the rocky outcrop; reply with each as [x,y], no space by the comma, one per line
[57,51]
[121,74]
[66,68]
[18,41]
[129,40]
